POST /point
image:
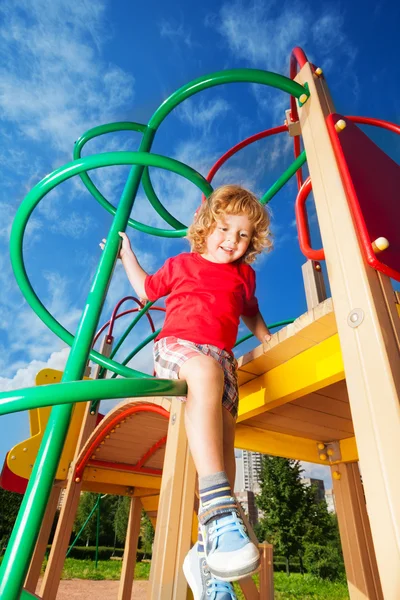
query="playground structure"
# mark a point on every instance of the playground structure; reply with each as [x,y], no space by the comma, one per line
[325,389]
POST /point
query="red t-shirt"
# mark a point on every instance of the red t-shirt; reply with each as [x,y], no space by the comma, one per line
[205,299]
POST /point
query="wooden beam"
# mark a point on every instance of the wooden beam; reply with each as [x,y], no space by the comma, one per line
[307,372]
[255,439]
[101,475]
[370,346]
[314,284]
[35,567]
[355,534]
[175,514]
[131,544]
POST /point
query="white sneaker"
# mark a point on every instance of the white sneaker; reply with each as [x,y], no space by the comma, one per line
[203,585]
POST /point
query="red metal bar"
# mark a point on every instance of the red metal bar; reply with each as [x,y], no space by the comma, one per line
[376,123]
[253,138]
[80,467]
[115,466]
[115,312]
[302,223]
[126,312]
[151,451]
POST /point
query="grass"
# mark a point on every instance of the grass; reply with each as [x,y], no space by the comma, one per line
[107,569]
[294,587]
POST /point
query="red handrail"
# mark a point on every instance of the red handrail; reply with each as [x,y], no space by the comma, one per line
[302,223]
[376,123]
[253,138]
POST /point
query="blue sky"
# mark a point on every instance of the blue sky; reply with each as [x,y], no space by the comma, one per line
[67,67]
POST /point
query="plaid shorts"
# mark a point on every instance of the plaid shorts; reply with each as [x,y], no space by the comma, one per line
[170,353]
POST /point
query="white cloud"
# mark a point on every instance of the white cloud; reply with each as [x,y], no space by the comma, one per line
[25,376]
[176,33]
[264,37]
[200,114]
[54,85]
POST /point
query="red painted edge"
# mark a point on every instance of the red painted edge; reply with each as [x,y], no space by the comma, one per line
[161,442]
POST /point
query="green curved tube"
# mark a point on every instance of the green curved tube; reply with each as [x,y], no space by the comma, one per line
[155,202]
[93,189]
[284,178]
[23,538]
[83,391]
[221,77]
[250,335]
[47,184]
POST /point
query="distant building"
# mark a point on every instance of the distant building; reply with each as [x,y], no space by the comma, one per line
[318,484]
[248,470]
[330,500]
[246,499]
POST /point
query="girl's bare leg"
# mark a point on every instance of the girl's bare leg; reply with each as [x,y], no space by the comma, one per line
[229,426]
[203,414]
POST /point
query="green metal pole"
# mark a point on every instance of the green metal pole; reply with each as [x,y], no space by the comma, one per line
[82,528]
[23,538]
[97,531]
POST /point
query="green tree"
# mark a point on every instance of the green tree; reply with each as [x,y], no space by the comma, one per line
[121,518]
[9,503]
[285,502]
[146,534]
[108,507]
[295,521]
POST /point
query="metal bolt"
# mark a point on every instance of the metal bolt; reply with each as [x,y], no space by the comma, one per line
[173,419]
[355,317]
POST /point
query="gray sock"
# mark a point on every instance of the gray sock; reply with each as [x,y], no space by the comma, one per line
[209,481]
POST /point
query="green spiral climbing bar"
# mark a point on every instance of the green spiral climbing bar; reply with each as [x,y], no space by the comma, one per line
[21,544]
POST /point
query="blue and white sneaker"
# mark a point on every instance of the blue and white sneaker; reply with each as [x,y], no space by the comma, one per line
[229,552]
[203,585]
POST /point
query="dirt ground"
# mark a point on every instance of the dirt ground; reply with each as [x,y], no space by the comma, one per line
[77,589]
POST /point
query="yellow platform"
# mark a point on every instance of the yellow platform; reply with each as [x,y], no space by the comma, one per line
[293,395]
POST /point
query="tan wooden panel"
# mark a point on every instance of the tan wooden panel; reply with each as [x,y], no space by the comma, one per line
[336,390]
[136,430]
[294,427]
[324,404]
[286,430]
[314,417]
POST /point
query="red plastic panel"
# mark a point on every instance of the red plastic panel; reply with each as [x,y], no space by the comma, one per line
[10,481]
[372,183]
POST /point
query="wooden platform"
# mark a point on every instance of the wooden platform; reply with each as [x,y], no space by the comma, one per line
[293,393]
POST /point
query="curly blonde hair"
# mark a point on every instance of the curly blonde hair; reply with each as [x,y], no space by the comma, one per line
[232,200]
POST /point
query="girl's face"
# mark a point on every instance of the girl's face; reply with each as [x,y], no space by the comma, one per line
[229,240]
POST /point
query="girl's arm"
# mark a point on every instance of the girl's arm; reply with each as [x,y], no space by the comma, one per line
[134,271]
[258,327]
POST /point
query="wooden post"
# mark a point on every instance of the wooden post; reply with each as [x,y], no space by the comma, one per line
[369,346]
[249,589]
[355,533]
[51,579]
[35,567]
[314,284]
[267,571]
[131,544]
[175,513]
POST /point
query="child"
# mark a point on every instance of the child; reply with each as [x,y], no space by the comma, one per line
[207,291]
